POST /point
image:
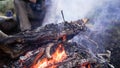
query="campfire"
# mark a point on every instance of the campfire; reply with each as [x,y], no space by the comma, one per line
[52,47]
[65,55]
[57,57]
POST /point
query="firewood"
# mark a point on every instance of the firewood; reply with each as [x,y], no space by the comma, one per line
[38,56]
[45,35]
[48,50]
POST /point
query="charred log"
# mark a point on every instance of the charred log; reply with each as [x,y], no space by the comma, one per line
[45,35]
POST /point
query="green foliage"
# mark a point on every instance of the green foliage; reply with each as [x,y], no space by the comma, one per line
[6,5]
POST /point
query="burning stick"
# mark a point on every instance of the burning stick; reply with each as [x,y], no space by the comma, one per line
[48,50]
[38,56]
[23,59]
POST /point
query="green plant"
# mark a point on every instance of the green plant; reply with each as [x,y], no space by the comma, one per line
[6,5]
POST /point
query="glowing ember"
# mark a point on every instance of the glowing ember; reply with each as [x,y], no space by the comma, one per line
[64,38]
[57,57]
[86,65]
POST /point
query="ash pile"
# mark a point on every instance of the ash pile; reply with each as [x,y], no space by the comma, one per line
[52,46]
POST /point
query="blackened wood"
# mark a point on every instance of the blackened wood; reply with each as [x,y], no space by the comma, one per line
[45,35]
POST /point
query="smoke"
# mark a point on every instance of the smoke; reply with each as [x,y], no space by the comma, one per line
[105,15]
[77,9]
[73,9]
[51,11]
[102,15]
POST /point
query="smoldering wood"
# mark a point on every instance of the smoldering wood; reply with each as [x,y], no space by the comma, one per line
[75,58]
[45,35]
[38,56]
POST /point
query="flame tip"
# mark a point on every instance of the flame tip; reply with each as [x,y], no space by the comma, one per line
[58,56]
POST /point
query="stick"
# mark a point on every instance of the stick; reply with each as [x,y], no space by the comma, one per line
[38,56]
[62,15]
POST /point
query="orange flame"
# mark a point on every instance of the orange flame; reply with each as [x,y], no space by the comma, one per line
[57,57]
[86,65]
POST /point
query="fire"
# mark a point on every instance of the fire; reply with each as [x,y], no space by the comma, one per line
[58,56]
[86,65]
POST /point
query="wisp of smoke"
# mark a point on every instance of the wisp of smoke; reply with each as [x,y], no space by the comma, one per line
[101,13]
[73,9]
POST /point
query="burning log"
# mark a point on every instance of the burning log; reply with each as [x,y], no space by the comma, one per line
[66,55]
[45,35]
[38,56]
[37,53]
